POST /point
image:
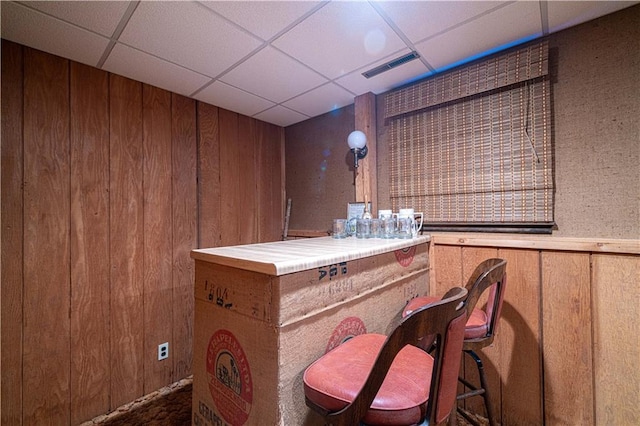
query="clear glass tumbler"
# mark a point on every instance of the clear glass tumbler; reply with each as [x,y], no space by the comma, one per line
[363,228]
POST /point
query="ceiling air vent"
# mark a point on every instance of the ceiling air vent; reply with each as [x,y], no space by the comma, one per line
[391,64]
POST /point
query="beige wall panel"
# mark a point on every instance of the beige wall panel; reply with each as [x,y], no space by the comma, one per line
[89,242]
[616,351]
[567,344]
[596,104]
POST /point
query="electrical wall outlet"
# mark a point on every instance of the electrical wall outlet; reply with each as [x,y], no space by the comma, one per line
[163,351]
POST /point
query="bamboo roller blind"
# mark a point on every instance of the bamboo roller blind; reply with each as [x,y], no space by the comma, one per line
[473,145]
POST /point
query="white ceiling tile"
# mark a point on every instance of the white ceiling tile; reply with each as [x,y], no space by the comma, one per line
[52,35]
[565,14]
[261,74]
[183,45]
[228,97]
[341,37]
[98,16]
[405,73]
[421,19]
[513,24]
[280,116]
[262,18]
[318,101]
[188,34]
[140,66]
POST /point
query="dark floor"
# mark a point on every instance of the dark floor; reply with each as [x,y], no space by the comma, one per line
[463,422]
[171,406]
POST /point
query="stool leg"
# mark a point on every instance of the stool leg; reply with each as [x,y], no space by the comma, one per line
[453,417]
[483,386]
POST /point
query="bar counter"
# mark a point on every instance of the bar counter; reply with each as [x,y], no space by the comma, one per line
[264,312]
[286,257]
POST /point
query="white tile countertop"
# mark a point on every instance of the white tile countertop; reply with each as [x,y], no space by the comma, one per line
[286,257]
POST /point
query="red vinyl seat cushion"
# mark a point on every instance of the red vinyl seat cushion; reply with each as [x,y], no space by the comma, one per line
[334,380]
[477,324]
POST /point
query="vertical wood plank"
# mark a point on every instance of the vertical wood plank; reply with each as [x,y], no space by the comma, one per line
[490,355]
[46,239]
[11,296]
[185,229]
[518,339]
[89,242]
[449,269]
[126,240]
[247,211]
[566,333]
[231,166]
[278,138]
[95,180]
[157,294]
[270,192]
[208,176]
[365,121]
[432,276]
[615,329]
[448,274]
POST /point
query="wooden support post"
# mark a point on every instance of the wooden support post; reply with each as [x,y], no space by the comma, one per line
[366,174]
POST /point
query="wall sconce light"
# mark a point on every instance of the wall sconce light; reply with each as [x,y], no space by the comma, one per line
[357,141]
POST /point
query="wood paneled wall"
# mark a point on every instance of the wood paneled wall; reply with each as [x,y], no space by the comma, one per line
[319,165]
[107,184]
[566,351]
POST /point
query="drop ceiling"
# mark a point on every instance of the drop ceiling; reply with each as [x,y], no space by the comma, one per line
[283,61]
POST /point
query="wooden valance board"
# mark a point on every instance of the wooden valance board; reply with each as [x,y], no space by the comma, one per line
[514,66]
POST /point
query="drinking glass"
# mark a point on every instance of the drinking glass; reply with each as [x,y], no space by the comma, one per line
[388,227]
[405,227]
[376,228]
[339,228]
[363,228]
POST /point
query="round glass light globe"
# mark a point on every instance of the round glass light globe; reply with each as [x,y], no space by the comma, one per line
[357,139]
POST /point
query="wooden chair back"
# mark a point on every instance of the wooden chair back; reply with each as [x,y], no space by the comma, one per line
[491,274]
[444,320]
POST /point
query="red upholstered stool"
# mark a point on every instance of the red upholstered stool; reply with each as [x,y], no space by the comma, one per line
[481,323]
[477,323]
[401,399]
[373,379]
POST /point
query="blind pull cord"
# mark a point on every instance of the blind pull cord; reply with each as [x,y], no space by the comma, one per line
[526,124]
